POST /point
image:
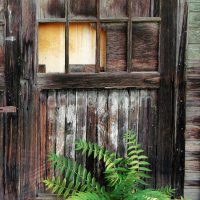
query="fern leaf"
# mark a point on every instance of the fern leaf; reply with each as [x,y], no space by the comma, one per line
[88,196]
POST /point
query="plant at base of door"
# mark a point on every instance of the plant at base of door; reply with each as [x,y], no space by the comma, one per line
[125,177]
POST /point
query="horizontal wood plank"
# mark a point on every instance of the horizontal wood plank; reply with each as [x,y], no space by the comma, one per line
[102,80]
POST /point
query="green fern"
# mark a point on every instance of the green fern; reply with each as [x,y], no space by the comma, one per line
[125,177]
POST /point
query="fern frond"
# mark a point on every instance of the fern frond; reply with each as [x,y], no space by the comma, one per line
[136,160]
[148,194]
[76,177]
[113,170]
[168,191]
[88,196]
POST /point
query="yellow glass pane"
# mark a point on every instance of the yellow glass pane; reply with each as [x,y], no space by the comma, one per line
[51,47]
[82,44]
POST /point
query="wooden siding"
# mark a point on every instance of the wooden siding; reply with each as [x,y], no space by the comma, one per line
[100,116]
[192,133]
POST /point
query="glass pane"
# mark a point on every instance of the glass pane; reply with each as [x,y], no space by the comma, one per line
[114,47]
[145,46]
[51,47]
[82,44]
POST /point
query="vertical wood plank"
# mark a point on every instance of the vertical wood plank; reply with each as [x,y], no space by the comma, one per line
[51,8]
[60,123]
[70,124]
[165,99]
[12,72]
[81,101]
[1,148]
[123,109]
[113,120]
[148,128]
[134,110]
[102,109]
[51,127]
[141,8]
[91,126]
[42,138]
[102,127]
[2,47]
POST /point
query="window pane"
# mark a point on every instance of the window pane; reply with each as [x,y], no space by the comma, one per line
[82,44]
[51,47]
[145,46]
[114,47]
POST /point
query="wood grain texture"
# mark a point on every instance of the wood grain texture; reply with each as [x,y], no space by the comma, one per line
[102,116]
[113,8]
[1,148]
[141,8]
[81,118]
[12,72]
[70,124]
[2,50]
[51,127]
[165,136]
[91,129]
[116,47]
[51,9]
[82,8]
[145,48]
[102,80]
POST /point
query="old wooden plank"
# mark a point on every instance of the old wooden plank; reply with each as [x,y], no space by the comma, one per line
[194,7]
[70,124]
[165,109]
[60,123]
[193,115]
[141,8]
[116,47]
[193,35]
[134,110]
[2,14]
[192,131]
[113,9]
[193,52]
[82,8]
[123,108]
[51,127]
[1,147]
[102,127]
[192,164]
[192,146]
[2,50]
[42,137]
[192,193]
[148,128]
[102,80]
[51,9]
[145,49]
[113,120]
[81,106]
[91,127]
[194,19]
[12,72]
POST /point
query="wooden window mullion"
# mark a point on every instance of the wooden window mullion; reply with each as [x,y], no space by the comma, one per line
[97,67]
[67,37]
[129,44]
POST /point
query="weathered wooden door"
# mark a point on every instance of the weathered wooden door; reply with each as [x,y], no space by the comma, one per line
[89,69]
